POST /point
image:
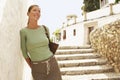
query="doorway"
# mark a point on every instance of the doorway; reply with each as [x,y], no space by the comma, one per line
[89,31]
[88,27]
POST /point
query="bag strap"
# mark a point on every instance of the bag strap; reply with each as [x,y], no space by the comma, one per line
[46,32]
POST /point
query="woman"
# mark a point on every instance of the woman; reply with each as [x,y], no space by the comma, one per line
[34,46]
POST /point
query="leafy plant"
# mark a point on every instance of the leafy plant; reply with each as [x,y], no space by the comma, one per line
[91,5]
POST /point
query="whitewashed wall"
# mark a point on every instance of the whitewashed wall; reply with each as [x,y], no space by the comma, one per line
[79,39]
[107,20]
[103,12]
[13,16]
[70,39]
[101,16]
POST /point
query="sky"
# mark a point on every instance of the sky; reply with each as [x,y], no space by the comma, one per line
[54,12]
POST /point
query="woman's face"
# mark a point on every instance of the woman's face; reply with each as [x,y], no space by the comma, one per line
[34,13]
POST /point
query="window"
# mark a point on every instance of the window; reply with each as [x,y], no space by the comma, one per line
[74,32]
[103,2]
[64,34]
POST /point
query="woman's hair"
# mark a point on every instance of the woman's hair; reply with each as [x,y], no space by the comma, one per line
[30,8]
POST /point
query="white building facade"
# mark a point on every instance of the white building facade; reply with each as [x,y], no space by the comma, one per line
[78,34]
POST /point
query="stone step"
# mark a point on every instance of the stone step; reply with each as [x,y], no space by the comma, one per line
[84,62]
[75,47]
[72,51]
[86,70]
[77,56]
[98,76]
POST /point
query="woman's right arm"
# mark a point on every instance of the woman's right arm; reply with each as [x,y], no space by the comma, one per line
[23,47]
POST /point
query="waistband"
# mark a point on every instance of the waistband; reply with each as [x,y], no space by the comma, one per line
[42,61]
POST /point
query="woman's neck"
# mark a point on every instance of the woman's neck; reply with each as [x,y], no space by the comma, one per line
[33,25]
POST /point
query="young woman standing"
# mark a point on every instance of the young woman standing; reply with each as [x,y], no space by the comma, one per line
[35,49]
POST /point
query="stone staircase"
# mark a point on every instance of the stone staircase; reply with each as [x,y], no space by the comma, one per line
[81,63]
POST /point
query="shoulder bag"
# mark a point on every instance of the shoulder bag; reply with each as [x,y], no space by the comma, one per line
[53,46]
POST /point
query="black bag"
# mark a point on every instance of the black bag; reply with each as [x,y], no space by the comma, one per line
[53,46]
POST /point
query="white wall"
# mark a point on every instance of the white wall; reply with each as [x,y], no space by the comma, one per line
[70,39]
[103,12]
[79,40]
[100,16]
[107,20]
[12,18]
[2,3]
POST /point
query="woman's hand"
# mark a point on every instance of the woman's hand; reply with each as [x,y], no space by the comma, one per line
[28,60]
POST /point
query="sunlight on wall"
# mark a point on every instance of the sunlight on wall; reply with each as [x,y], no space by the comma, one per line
[12,18]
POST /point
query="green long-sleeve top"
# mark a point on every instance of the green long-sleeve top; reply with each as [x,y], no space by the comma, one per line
[34,43]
